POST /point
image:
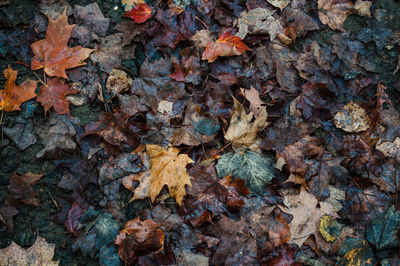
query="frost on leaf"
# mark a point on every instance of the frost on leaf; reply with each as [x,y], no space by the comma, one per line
[257,170]
[352,118]
[13,96]
[40,254]
[166,168]
[53,54]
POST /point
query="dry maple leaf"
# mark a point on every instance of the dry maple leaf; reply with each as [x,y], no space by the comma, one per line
[53,54]
[53,94]
[13,96]
[306,215]
[226,45]
[21,186]
[40,254]
[140,13]
[242,131]
[166,168]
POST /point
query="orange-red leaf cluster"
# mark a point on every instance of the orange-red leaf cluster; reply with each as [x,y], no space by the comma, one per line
[140,13]
[226,45]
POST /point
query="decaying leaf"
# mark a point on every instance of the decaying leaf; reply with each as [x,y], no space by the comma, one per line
[306,215]
[13,96]
[118,82]
[139,13]
[258,21]
[53,95]
[139,238]
[21,187]
[253,96]
[40,254]
[353,118]
[257,170]
[226,45]
[281,4]
[242,132]
[390,149]
[53,54]
[167,167]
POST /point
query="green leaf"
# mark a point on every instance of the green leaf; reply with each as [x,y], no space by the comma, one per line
[255,169]
[382,231]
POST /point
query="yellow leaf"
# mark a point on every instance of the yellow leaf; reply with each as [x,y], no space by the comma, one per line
[166,168]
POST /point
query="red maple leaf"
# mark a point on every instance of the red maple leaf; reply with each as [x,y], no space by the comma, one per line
[140,13]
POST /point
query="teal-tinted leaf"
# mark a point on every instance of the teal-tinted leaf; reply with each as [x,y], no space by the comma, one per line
[359,254]
[207,127]
[257,170]
[106,229]
[108,256]
[382,231]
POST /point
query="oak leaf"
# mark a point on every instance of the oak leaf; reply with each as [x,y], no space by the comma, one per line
[53,54]
[13,96]
[140,13]
[226,45]
[40,254]
[242,132]
[306,215]
[53,95]
[166,168]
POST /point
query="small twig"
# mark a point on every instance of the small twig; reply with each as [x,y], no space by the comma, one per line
[41,81]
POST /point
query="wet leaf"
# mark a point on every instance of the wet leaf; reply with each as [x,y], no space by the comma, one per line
[226,45]
[352,118]
[167,167]
[40,254]
[21,187]
[53,95]
[257,170]
[13,96]
[329,228]
[53,54]
[334,13]
[139,13]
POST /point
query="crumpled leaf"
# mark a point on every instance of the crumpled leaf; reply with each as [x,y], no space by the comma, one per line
[39,254]
[281,4]
[13,96]
[258,21]
[21,187]
[53,95]
[139,13]
[257,170]
[139,238]
[118,82]
[253,96]
[242,132]
[226,45]
[306,215]
[382,231]
[353,118]
[166,168]
[53,54]
[390,149]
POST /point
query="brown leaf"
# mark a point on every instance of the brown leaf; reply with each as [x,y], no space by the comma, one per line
[253,96]
[306,215]
[242,131]
[226,45]
[53,95]
[40,254]
[53,54]
[7,212]
[139,238]
[166,168]
[352,118]
[13,96]
[21,186]
[334,13]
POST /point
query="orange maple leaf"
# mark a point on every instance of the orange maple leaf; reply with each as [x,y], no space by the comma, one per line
[167,168]
[13,96]
[226,45]
[53,54]
[53,94]
[140,13]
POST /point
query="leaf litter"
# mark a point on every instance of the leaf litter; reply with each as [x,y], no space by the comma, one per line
[199,132]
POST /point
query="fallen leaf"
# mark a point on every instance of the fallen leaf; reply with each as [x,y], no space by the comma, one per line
[306,215]
[257,170]
[242,132]
[22,134]
[118,82]
[129,4]
[39,254]
[202,38]
[258,21]
[13,96]
[226,45]
[53,54]
[166,168]
[21,187]
[139,13]
[139,238]
[352,118]
[334,13]
[7,212]
[53,95]
[281,4]
[390,149]
[363,8]
[253,96]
